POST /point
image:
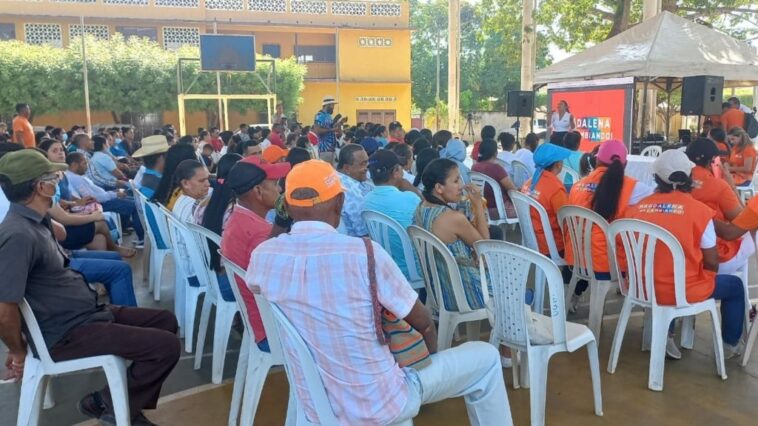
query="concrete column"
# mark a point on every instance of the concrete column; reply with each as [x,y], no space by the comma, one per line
[453,67]
[528,54]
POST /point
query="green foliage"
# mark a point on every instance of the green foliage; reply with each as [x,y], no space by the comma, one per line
[128,76]
[490,52]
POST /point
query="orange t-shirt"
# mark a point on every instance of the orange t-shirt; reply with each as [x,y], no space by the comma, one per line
[581,195]
[686,218]
[24,127]
[551,193]
[748,218]
[737,159]
[732,118]
[716,194]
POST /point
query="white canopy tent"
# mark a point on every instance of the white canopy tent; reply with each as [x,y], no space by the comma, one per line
[664,46]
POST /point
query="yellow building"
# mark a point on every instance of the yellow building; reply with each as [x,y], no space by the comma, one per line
[357,51]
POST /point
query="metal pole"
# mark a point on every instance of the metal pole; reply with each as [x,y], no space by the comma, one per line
[337,65]
[218,88]
[643,121]
[453,25]
[86,80]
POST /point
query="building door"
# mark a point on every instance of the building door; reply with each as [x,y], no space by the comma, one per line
[382,116]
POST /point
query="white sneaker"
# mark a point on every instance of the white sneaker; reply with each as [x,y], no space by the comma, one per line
[732,351]
[574,303]
[672,351]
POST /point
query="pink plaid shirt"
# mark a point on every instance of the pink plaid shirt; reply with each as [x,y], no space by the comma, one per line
[319,278]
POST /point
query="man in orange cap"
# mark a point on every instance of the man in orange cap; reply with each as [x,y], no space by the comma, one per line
[274,154]
[317,276]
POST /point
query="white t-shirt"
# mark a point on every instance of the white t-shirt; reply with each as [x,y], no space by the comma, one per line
[708,240]
[561,124]
[640,191]
[746,109]
[526,157]
[507,157]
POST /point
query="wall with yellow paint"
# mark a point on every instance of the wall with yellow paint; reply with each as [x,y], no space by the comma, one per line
[362,60]
[357,96]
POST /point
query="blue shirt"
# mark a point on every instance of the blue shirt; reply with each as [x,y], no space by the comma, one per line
[101,169]
[398,205]
[355,192]
[118,150]
[149,182]
[326,142]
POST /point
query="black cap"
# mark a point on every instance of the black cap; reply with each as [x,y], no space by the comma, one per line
[700,149]
[395,125]
[243,177]
[382,161]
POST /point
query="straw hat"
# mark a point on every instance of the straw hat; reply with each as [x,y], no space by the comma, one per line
[151,145]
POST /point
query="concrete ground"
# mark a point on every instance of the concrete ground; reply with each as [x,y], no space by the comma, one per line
[693,394]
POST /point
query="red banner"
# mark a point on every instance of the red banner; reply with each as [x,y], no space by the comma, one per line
[598,114]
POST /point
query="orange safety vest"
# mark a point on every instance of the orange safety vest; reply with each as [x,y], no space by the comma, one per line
[686,218]
[713,192]
[581,195]
[543,192]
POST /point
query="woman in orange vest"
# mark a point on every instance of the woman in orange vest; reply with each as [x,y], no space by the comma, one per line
[673,208]
[742,158]
[721,196]
[607,192]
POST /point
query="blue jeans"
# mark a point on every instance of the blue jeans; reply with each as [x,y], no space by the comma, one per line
[106,267]
[126,208]
[730,291]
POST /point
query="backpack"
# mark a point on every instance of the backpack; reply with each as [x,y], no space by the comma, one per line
[751,125]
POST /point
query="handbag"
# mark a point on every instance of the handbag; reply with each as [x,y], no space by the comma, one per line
[406,344]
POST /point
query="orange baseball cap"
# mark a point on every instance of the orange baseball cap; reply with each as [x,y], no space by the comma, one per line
[274,154]
[317,175]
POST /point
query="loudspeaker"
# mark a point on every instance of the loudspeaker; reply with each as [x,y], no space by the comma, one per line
[520,103]
[702,95]
[227,52]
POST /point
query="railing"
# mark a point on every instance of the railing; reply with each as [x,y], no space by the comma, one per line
[321,71]
[373,8]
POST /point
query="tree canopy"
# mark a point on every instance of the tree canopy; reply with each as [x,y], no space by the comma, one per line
[127,76]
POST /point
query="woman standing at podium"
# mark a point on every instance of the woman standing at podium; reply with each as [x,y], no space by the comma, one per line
[560,123]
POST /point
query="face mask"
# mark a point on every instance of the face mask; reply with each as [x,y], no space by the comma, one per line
[118,141]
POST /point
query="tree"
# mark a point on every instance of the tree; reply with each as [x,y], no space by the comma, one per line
[134,76]
[574,24]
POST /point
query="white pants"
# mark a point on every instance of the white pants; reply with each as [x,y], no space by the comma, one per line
[747,248]
[471,370]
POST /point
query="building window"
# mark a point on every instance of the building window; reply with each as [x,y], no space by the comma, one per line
[273,50]
[150,33]
[312,7]
[307,54]
[176,37]
[223,4]
[100,31]
[43,34]
[279,6]
[7,31]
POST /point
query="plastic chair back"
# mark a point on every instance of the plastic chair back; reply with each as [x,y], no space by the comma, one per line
[520,173]
[652,151]
[304,360]
[507,266]
[578,224]
[235,274]
[181,234]
[481,181]
[382,229]
[523,204]
[160,228]
[430,252]
[639,240]
[35,333]
[138,203]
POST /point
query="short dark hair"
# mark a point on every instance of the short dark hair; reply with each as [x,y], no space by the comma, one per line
[47,143]
[572,140]
[78,138]
[507,141]
[74,157]
[186,139]
[488,132]
[718,134]
[347,154]
[734,100]
[150,160]
[16,193]
[99,142]
[20,107]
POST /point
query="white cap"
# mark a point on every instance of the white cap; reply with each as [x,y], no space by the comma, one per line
[670,162]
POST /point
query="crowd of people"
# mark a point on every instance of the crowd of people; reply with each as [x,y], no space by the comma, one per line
[270,193]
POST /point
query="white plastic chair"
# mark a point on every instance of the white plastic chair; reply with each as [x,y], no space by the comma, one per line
[481,180]
[520,173]
[254,364]
[567,171]
[197,248]
[748,192]
[158,253]
[579,224]
[296,346]
[431,251]
[186,296]
[508,267]
[639,240]
[382,229]
[146,252]
[652,151]
[38,371]
[523,204]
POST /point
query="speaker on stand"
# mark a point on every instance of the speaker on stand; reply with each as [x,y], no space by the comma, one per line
[702,95]
[520,104]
